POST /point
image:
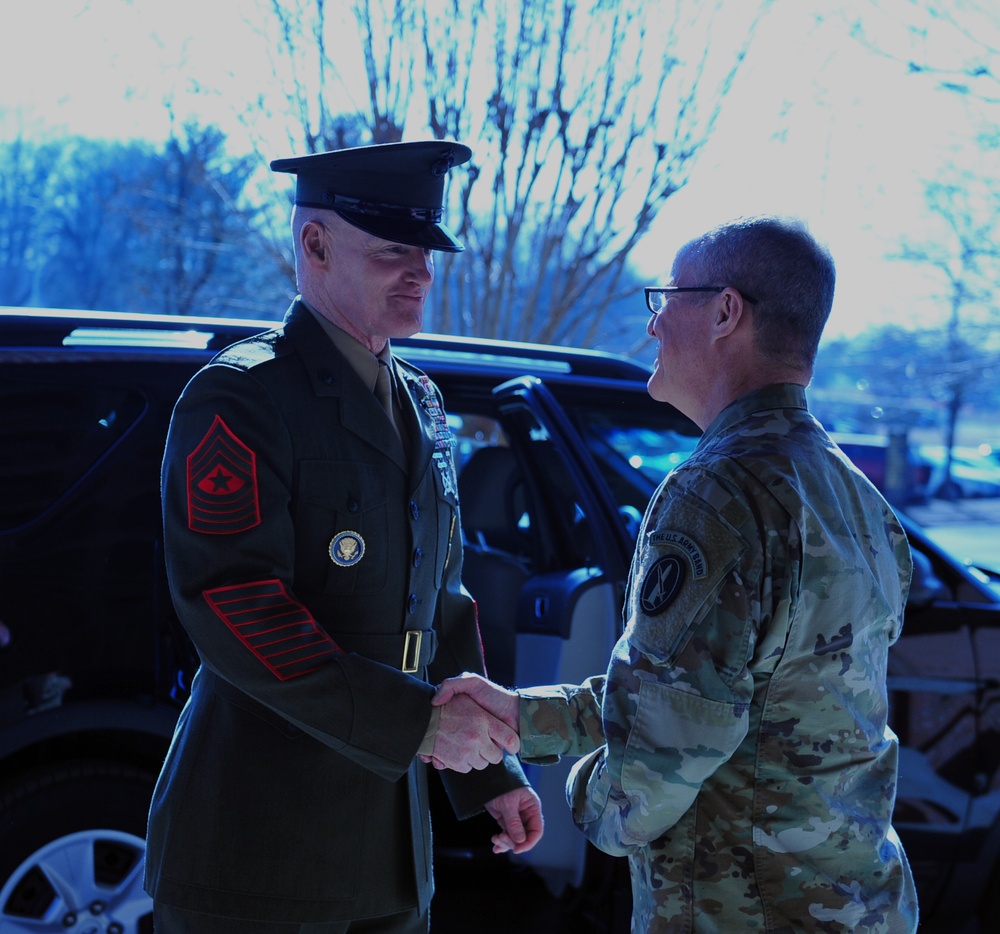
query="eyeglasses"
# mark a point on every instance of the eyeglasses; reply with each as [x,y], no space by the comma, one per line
[656,298]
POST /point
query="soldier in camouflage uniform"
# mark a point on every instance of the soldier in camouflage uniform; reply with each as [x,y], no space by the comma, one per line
[737,750]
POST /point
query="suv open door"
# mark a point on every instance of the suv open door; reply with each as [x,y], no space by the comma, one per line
[546,558]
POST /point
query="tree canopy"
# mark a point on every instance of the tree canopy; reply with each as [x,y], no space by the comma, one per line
[127,226]
[584,116]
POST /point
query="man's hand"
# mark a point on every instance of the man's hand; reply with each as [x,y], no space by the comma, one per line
[469,737]
[503,704]
[519,814]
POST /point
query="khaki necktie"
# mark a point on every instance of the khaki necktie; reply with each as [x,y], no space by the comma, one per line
[383,391]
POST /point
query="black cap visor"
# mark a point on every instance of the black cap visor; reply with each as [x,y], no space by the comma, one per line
[412,232]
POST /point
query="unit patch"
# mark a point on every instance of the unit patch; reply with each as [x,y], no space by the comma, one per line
[222,484]
[680,541]
[347,549]
[661,584]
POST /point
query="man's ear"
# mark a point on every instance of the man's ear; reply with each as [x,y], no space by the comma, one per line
[729,312]
[314,245]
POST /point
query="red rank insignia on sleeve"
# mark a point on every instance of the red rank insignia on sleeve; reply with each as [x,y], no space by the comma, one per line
[222,484]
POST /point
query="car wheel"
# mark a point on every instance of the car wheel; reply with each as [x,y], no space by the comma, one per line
[72,848]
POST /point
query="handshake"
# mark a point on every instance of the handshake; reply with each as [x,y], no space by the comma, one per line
[478,723]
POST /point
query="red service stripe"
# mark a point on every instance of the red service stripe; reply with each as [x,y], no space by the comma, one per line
[260,604]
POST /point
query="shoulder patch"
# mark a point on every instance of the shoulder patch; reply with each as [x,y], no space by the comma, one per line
[222,484]
[687,567]
[694,553]
[661,585]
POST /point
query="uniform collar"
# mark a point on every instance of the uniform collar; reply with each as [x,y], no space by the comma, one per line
[359,358]
[775,396]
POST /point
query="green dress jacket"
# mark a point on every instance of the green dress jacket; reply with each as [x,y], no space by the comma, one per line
[317,571]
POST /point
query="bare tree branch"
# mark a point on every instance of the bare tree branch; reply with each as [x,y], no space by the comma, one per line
[966,258]
[955,42]
[584,117]
[592,123]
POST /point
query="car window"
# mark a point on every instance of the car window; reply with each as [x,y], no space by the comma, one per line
[624,445]
[472,431]
[54,435]
[554,515]
[635,446]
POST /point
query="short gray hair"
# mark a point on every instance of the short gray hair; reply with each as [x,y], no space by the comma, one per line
[776,261]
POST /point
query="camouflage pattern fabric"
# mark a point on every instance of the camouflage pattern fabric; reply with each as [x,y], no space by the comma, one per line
[738,750]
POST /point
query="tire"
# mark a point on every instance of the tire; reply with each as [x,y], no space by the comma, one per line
[72,845]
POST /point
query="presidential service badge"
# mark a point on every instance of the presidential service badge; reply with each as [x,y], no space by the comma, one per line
[347,549]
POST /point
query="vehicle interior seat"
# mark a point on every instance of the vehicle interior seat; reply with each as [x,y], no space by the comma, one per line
[493,501]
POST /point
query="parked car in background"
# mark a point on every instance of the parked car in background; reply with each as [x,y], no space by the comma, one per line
[894,465]
[559,451]
[972,474]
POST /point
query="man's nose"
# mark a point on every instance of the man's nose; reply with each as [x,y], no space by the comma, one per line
[422,265]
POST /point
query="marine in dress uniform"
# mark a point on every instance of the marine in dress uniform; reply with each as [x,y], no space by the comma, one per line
[314,558]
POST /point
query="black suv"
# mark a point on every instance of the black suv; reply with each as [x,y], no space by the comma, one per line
[559,451]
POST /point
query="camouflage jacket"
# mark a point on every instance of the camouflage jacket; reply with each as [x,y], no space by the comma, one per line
[737,750]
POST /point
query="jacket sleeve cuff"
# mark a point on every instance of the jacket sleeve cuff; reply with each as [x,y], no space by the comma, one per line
[427,746]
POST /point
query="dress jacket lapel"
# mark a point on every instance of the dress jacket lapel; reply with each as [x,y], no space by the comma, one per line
[360,412]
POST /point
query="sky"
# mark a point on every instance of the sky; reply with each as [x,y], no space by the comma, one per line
[820,127]
[817,125]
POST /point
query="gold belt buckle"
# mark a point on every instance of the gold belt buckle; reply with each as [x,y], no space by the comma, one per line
[411,651]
